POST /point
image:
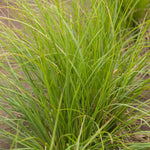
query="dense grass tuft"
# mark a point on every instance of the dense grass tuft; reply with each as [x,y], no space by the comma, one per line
[73,76]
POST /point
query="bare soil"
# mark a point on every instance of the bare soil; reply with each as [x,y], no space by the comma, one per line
[5,12]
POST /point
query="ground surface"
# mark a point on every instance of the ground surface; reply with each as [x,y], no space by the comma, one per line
[4,12]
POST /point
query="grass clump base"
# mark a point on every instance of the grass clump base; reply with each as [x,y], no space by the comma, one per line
[73,76]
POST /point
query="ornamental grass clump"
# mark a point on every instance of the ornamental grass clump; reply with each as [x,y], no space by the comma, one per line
[73,76]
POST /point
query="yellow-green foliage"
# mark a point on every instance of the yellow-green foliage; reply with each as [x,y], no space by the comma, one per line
[140,7]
